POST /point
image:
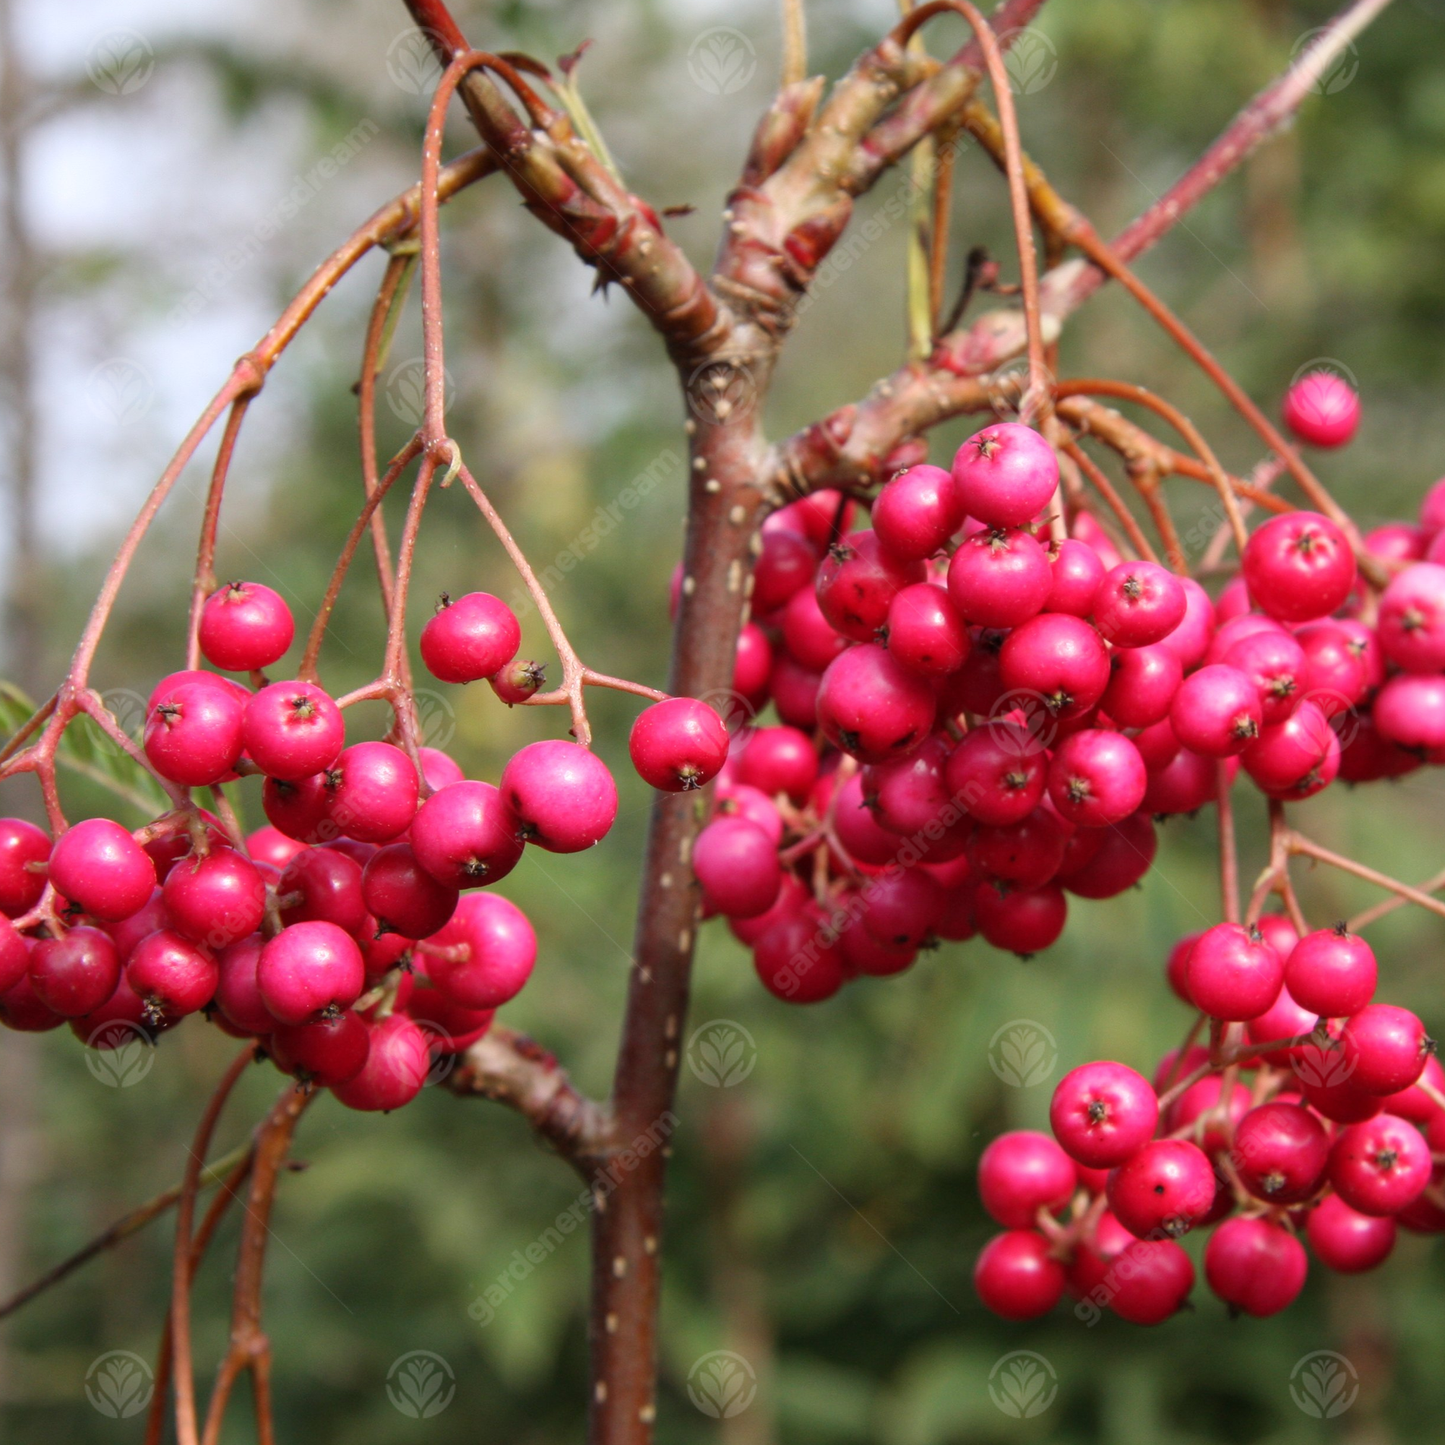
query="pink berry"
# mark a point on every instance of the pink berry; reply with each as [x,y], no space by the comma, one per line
[1058,659]
[1176,967]
[1346,1240]
[562,794]
[1322,409]
[1190,640]
[193,736]
[469,639]
[1331,972]
[809,637]
[307,968]
[1124,855]
[865,839]
[1410,711]
[76,974]
[1255,1266]
[1097,778]
[465,835]
[372,791]
[215,900]
[403,896]
[925,633]
[437,769]
[737,865]
[1233,973]
[1294,759]
[864,954]
[1411,622]
[1386,1048]
[14,956]
[795,693]
[174,976]
[872,707]
[518,680]
[1005,474]
[1299,566]
[245,627]
[269,844]
[798,959]
[1016,1276]
[449,1028]
[1283,1019]
[1216,712]
[1142,684]
[481,959]
[1102,1113]
[301,810]
[1379,1166]
[1281,1153]
[999,578]
[1022,1172]
[917,512]
[22,1010]
[292,730]
[101,868]
[397,1064]
[1026,854]
[21,844]
[678,744]
[744,802]
[1184,784]
[1138,603]
[753,667]
[1151,1280]
[1275,663]
[997,772]
[785,567]
[325,1051]
[1024,921]
[322,885]
[1077,572]
[910,795]
[1166,1186]
[1203,1111]
[1414,1103]
[237,995]
[779,760]
[858,580]
[900,909]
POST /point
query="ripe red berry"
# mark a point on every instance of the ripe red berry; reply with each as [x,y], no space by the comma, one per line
[245,627]
[1022,1172]
[482,958]
[1233,973]
[292,730]
[1216,712]
[1411,622]
[1380,1166]
[858,580]
[1331,972]
[910,795]
[1005,474]
[299,811]
[737,865]
[76,974]
[469,639]
[14,956]
[1164,1187]
[21,844]
[518,681]
[1124,854]
[1018,920]
[1016,1277]
[1410,711]
[1190,641]
[1059,660]
[1027,853]
[1198,1109]
[237,995]
[798,958]
[753,667]
[917,512]
[562,794]
[900,909]
[1142,684]
[1255,1266]
[322,884]
[1150,1281]
[372,791]
[326,1052]
[1077,572]
[1346,1240]
[449,1028]
[269,844]
[215,900]
[872,707]
[999,578]
[778,760]
[101,868]
[1275,663]
[809,637]
[785,567]
[1097,778]
[1138,603]
[307,968]
[925,633]
[397,1063]
[1294,759]
[678,744]
[1281,1153]
[403,896]
[22,1010]
[1414,1103]
[465,835]
[1322,409]
[1386,1048]
[1299,566]
[1102,1112]
[1283,1019]
[437,769]
[174,976]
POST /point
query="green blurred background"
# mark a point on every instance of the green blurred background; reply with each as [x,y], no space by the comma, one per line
[822,1218]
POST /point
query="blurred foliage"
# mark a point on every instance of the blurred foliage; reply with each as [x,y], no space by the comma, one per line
[822,1217]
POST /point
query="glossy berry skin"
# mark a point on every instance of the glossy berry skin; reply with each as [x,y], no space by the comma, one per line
[872,707]
[448,1027]
[999,578]
[1386,1048]
[858,580]
[14,956]
[309,967]
[1281,1153]
[292,730]
[1414,1103]
[811,640]
[678,744]
[1142,684]
[1331,972]
[1026,854]
[1199,1105]
[900,909]
[215,900]
[300,810]
[753,667]
[1016,1277]
[1097,778]
[1322,409]
[1190,641]
[245,627]
[1138,603]
[563,796]
[917,512]
[1411,621]
[437,769]
[1255,1266]
[21,843]
[1150,1281]
[1217,711]
[1410,711]
[1379,1166]
[1233,974]
[1283,1019]
[779,760]
[76,974]
[469,639]
[1275,663]
[236,995]
[798,960]
[785,566]
[925,632]
[325,1052]
[909,794]
[1346,1240]
[397,1063]
[1294,759]
[465,835]
[193,736]
[1166,1186]
[372,791]
[500,947]
[1102,1112]
[1024,921]
[998,772]
[174,976]
[1058,659]
[1077,572]
[1124,855]
[99,866]
[22,1010]
[402,896]
[329,883]
[1298,567]
[269,844]
[518,680]
[737,865]
[1005,474]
